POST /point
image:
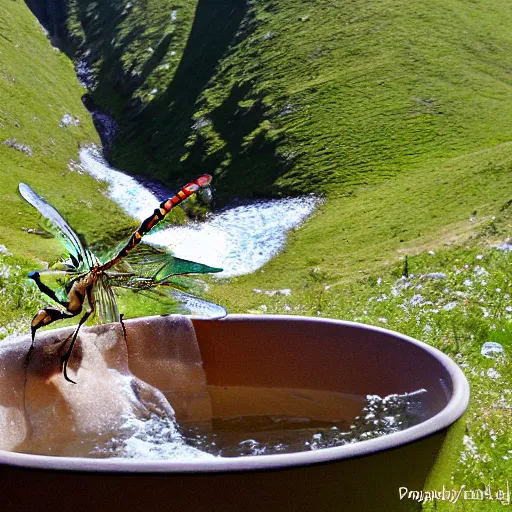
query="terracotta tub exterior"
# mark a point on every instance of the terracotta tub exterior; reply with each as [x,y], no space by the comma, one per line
[254,355]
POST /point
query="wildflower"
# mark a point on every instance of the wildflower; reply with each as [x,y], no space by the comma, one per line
[493,374]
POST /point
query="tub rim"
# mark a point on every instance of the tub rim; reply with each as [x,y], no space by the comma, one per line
[453,410]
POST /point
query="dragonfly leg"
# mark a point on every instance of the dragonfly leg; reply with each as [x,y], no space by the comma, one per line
[36,277]
[121,316]
[47,316]
[67,355]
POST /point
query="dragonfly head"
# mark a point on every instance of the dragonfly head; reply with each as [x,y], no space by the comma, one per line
[195,185]
[204,180]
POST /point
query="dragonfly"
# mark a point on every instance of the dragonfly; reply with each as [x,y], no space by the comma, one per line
[86,282]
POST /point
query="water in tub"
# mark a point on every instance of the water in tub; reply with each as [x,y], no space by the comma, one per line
[112,413]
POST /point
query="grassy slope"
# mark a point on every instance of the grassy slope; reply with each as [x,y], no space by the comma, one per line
[382,223]
[37,87]
[355,94]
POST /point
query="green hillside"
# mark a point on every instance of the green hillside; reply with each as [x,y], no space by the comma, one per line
[299,96]
[37,88]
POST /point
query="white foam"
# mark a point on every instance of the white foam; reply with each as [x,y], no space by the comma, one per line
[134,198]
[154,438]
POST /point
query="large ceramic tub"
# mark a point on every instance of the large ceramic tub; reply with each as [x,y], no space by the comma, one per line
[281,365]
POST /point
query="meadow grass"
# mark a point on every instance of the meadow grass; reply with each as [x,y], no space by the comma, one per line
[455,298]
[38,87]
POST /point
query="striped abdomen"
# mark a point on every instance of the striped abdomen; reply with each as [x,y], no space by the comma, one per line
[165,207]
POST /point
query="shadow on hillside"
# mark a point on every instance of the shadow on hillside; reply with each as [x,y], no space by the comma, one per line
[156,58]
[254,163]
[153,137]
[52,15]
[154,140]
[101,24]
[169,117]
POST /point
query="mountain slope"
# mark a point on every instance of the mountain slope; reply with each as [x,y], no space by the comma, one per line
[289,97]
[38,88]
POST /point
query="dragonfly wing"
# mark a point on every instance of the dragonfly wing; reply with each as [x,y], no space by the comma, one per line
[105,301]
[149,261]
[167,297]
[194,306]
[58,227]
[178,266]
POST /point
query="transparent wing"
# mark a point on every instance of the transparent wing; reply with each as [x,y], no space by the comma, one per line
[105,299]
[164,297]
[149,261]
[194,306]
[53,222]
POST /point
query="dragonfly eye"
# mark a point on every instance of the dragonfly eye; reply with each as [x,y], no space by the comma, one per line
[33,275]
[191,188]
[204,180]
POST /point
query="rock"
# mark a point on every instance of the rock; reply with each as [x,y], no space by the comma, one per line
[4,250]
[492,350]
[507,246]
[286,110]
[285,291]
[32,231]
[14,144]
[69,120]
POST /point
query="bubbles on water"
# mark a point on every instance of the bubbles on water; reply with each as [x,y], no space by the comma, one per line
[393,413]
[159,437]
[268,435]
[152,438]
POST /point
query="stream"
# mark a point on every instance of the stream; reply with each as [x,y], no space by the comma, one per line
[240,238]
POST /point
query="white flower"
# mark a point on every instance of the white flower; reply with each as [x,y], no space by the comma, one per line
[493,374]
[417,299]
